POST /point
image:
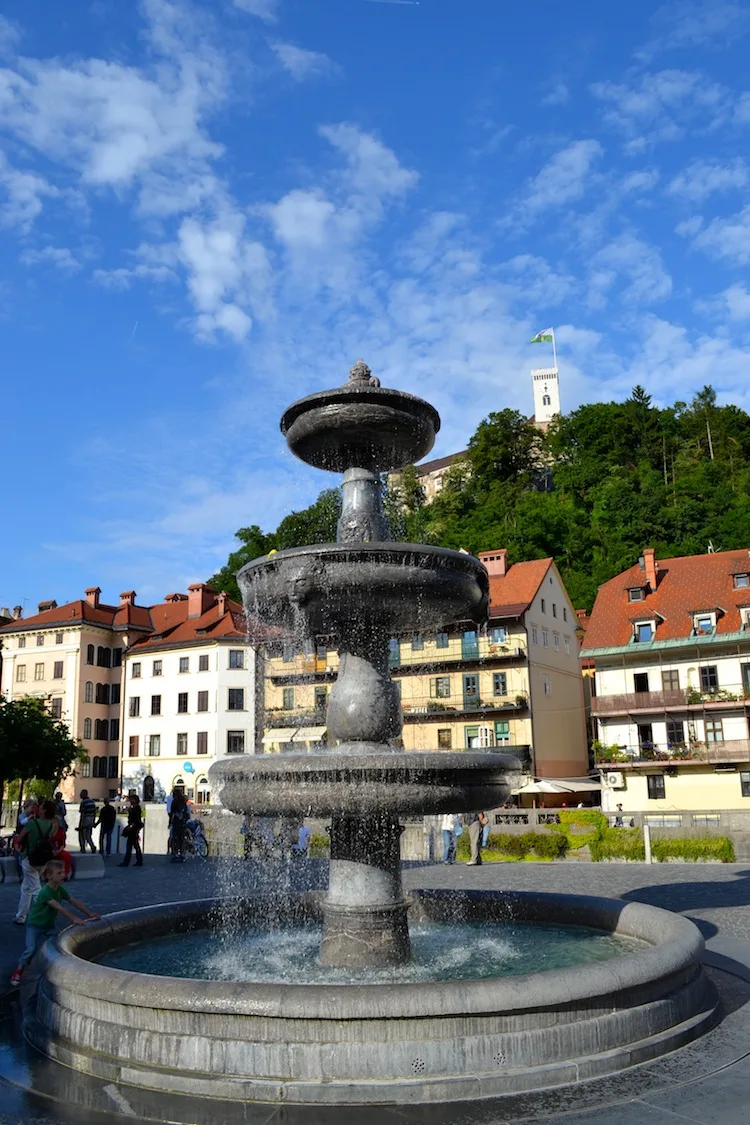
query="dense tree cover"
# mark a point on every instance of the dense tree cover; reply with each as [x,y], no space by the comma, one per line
[605,481]
[34,744]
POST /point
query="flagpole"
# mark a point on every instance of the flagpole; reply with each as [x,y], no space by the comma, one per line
[554,351]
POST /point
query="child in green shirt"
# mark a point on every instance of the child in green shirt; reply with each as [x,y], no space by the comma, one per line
[42,916]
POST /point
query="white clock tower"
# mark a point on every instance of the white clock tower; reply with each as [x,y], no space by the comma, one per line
[546,395]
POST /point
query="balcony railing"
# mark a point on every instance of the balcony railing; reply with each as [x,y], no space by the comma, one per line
[735,696]
[732,750]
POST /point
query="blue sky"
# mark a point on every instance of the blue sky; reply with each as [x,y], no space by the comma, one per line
[208,209]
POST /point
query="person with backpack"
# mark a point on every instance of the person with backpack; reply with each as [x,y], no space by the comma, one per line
[34,844]
[178,819]
[132,832]
[44,911]
[86,818]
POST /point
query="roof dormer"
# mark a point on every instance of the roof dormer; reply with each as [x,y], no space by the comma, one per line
[704,621]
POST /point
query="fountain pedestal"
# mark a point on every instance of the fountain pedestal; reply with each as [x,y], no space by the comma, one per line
[364,913]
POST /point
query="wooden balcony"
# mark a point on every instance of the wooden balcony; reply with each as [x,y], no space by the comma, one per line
[714,753]
[689,700]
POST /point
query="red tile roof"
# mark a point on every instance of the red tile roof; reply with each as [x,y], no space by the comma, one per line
[684,586]
[512,593]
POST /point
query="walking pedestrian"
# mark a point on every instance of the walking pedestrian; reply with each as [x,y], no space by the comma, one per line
[106,823]
[34,844]
[62,811]
[448,828]
[476,822]
[132,832]
[86,818]
[618,818]
[44,911]
[178,818]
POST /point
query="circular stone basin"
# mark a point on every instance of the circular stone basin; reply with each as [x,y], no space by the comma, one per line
[349,779]
[362,427]
[391,1043]
[333,588]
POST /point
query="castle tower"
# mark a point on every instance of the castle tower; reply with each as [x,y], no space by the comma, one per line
[546,395]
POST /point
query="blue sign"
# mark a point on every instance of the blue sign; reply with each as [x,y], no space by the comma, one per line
[188,768]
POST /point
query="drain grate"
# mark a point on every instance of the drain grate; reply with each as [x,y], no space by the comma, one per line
[500,1058]
[418,1066]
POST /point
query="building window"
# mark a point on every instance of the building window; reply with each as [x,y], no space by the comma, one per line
[288,700]
[56,707]
[709,678]
[39,671]
[40,639]
[203,663]
[86,766]
[287,652]
[499,683]
[321,698]
[640,683]
[714,730]
[114,695]
[156,668]
[440,687]
[87,728]
[133,745]
[745,783]
[88,692]
[22,642]
[544,606]
[235,742]
[566,643]
[90,654]
[644,631]
[444,738]
[502,732]
[554,609]
[675,732]
[114,730]
[202,742]
[181,745]
[236,698]
[20,673]
[156,705]
[103,657]
[417,643]
[441,640]
[546,685]
[703,624]
[556,642]
[534,635]
[655,784]
[101,730]
[113,764]
[203,701]
[498,635]
[545,638]
[394,651]
[636,594]
[135,671]
[670,681]
[741,581]
[134,706]
[182,703]
[102,694]
[153,747]
[59,637]
[184,664]
[100,766]
[116,657]
[236,658]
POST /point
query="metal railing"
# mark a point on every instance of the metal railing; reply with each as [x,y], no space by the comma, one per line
[734,695]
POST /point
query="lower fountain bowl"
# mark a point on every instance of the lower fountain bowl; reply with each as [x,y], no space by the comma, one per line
[374,1043]
[363,780]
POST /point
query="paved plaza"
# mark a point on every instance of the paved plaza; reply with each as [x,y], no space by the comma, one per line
[706,1082]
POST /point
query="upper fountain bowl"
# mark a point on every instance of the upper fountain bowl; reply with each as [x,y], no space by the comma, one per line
[360,425]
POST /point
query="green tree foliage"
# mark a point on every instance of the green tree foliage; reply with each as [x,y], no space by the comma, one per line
[605,481]
[33,744]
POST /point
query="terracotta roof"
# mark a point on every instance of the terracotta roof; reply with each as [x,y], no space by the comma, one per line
[72,613]
[682,584]
[439,463]
[512,593]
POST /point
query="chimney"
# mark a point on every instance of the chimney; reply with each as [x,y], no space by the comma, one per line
[496,562]
[50,603]
[221,602]
[200,597]
[127,598]
[651,566]
[17,612]
[92,595]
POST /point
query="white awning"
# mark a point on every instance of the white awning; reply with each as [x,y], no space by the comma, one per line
[279,734]
[309,734]
[558,785]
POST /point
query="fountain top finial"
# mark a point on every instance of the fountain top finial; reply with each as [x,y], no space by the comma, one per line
[361,375]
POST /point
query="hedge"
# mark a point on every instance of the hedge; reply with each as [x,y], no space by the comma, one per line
[692,849]
[618,843]
[541,845]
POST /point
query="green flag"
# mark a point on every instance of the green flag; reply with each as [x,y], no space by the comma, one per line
[545,337]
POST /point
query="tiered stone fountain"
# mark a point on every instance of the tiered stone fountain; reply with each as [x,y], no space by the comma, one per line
[394,1041]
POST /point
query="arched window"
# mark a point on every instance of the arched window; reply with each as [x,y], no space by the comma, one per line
[101,731]
[104,657]
[546,400]
[148,788]
[178,782]
[88,694]
[86,768]
[87,728]
[100,767]
[203,791]
[102,693]
[90,653]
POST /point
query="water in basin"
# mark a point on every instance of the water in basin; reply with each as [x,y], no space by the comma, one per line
[460,951]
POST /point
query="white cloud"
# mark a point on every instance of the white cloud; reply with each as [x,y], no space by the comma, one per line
[10,34]
[24,193]
[733,303]
[688,228]
[374,170]
[558,95]
[661,106]
[564,179]
[696,23]
[704,177]
[636,265]
[266,9]
[728,239]
[302,64]
[58,256]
